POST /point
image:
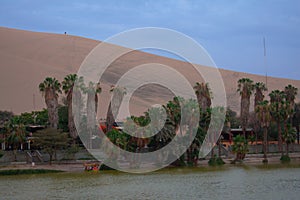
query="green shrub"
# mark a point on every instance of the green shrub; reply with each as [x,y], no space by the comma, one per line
[285,159]
[105,167]
[216,161]
[240,147]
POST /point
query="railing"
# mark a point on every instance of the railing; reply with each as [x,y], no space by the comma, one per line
[36,154]
[28,157]
[39,155]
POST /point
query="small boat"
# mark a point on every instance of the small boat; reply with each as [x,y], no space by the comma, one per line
[92,166]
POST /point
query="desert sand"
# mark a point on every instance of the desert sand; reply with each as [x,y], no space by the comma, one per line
[28,57]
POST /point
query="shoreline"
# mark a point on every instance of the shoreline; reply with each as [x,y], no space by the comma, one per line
[78,166]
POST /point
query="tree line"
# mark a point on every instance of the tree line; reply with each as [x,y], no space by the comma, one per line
[281,109]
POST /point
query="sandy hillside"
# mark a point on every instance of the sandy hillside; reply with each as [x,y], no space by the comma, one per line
[28,57]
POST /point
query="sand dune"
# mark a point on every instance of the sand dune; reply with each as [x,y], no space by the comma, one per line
[28,57]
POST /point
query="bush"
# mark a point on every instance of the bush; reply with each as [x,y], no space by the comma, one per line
[285,159]
[216,161]
[240,147]
[105,167]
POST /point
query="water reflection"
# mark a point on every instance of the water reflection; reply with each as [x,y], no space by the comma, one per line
[220,183]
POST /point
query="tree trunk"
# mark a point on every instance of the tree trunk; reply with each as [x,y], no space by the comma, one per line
[244,132]
[256,140]
[189,155]
[298,136]
[109,119]
[212,152]
[76,112]
[91,117]
[205,103]
[15,154]
[245,104]
[96,103]
[50,160]
[55,154]
[265,144]
[113,109]
[52,106]
[71,124]
[279,138]
[219,148]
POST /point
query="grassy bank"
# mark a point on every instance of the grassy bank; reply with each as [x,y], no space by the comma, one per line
[27,171]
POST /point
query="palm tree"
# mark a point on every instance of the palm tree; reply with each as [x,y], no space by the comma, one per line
[217,121]
[171,126]
[189,121]
[289,136]
[277,98]
[286,112]
[16,136]
[67,86]
[259,87]
[50,89]
[165,134]
[264,116]
[290,94]
[240,147]
[153,115]
[245,88]
[114,106]
[203,95]
[92,91]
[296,120]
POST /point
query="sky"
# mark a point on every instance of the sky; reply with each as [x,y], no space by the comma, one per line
[232,31]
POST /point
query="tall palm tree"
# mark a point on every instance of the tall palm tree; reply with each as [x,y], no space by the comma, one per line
[264,116]
[296,120]
[289,136]
[171,126]
[290,94]
[217,121]
[181,125]
[277,98]
[188,125]
[245,88]
[259,87]
[67,86]
[50,89]
[92,91]
[286,112]
[203,95]
[114,106]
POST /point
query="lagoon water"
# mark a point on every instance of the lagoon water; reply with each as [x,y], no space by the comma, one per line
[222,183]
